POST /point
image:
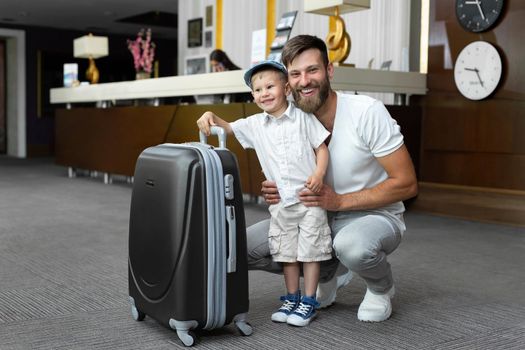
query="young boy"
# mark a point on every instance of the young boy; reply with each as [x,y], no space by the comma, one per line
[284,138]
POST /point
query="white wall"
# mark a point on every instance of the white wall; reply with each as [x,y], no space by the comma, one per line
[241,18]
[381,33]
[190,10]
[16,91]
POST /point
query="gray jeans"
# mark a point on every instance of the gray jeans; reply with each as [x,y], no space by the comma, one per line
[361,241]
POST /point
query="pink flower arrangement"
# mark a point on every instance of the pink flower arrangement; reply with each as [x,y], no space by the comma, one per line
[143,51]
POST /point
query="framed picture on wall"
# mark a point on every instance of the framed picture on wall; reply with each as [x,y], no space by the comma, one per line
[209,16]
[195,32]
[196,65]
[208,38]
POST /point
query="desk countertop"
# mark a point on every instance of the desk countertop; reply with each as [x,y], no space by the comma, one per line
[345,79]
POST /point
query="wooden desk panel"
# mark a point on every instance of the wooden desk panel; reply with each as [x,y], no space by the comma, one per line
[109,140]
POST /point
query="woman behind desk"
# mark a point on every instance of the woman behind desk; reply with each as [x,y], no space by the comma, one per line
[220,62]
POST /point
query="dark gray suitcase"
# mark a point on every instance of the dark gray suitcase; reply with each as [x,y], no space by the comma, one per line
[187,239]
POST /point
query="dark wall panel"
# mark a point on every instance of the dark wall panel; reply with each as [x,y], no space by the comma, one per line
[474,143]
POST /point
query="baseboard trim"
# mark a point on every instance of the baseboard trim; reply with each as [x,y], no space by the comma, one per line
[493,205]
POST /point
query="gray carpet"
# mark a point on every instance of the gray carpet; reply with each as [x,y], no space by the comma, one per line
[63,279]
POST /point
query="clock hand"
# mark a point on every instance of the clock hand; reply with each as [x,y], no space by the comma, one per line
[478,3]
[480,10]
[477,73]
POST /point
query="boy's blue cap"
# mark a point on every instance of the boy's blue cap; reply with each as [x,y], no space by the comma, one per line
[259,66]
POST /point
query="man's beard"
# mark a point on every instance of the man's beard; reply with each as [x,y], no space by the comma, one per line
[313,103]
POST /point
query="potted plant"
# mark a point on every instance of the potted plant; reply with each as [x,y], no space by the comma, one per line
[143,51]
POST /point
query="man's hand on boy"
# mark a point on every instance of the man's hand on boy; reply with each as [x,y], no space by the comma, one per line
[270,192]
[326,198]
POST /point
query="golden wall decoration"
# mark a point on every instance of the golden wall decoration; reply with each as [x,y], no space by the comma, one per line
[338,41]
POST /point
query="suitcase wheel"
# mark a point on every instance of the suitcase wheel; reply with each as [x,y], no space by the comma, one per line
[137,314]
[183,328]
[186,337]
[244,328]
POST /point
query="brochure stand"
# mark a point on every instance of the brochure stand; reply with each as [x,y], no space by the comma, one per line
[282,34]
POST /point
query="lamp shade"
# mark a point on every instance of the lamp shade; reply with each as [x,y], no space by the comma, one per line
[327,7]
[90,46]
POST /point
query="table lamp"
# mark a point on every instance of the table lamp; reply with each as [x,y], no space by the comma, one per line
[338,40]
[91,47]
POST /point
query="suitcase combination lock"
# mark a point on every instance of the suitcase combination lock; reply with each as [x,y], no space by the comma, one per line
[228,186]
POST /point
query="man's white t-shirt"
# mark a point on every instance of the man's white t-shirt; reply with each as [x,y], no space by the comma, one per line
[363,131]
[285,147]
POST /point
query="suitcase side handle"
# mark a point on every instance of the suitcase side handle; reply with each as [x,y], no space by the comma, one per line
[231,262]
[215,130]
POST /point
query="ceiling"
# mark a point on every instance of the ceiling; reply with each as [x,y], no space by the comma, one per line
[97,16]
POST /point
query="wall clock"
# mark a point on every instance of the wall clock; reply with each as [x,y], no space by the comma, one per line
[478,15]
[478,69]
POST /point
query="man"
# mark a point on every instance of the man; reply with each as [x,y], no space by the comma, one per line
[369,175]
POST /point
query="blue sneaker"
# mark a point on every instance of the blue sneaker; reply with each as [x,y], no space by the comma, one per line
[290,304]
[304,313]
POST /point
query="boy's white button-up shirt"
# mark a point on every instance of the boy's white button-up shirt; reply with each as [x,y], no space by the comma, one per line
[285,147]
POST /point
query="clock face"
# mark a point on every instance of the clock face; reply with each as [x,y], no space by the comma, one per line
[478,15]
[478,70]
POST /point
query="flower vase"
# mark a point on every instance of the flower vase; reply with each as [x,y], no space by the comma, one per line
[142,75]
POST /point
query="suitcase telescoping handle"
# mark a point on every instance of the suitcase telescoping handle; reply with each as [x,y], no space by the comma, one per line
[215,130]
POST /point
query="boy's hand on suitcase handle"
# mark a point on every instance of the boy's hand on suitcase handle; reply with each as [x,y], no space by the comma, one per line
[206,121]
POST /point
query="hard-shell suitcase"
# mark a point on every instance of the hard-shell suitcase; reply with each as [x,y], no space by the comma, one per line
[187,238]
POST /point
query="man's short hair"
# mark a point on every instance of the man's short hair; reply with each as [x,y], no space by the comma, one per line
[298,44]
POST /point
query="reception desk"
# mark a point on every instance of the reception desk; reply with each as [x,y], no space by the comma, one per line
[109,140]
[345,79]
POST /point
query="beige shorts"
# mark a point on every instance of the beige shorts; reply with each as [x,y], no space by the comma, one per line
[299,233]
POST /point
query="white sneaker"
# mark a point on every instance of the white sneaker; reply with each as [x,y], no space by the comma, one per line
[327,292]
[376,307]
